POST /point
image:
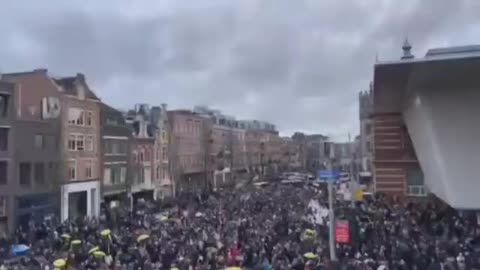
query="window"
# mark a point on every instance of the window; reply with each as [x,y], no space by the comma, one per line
[148,174]
[115,175]
[4,97]
[147,155]
[115,147]
[164,153]
[88,118]
[72,142]
[88,169]
[107,176]
[415,182]
[141,157]
[38,141]
[123,147]
[72,170]
[157,173]
[3,206]
[123,174]
[80,142]
[164,174]
[25,172]
[77,142]
[89,143]
[164,135]
[4,139]
[75,116]
[157,155]
[80,119]
[39,173]
[3,172]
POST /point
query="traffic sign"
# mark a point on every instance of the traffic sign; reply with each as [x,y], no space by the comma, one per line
[330,175]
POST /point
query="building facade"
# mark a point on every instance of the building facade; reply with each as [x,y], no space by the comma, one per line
[7,166]
[142,153]
[365,143]
[80,155]
[395,160]
[116,164]
[163,184]
[35,183]
[190,143]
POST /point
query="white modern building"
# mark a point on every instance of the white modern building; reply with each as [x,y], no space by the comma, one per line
[438,98]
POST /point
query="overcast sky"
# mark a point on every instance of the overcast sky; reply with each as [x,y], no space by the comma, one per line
[296,63]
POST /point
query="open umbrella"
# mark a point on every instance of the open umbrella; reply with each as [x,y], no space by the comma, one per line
[20,250]
[233,268]
[76,242]
[92,250]
[310,255]
[105,232]
[59,263]
[99,254]
[143,237]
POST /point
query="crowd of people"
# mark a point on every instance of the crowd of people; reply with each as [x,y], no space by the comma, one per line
[254,228]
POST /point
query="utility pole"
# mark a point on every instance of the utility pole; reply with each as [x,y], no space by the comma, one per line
[328,150]
[352,178]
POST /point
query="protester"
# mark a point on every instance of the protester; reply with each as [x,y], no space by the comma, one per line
[270,227]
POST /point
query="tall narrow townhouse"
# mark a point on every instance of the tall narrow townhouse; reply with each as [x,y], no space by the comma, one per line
[142,153]
[116,161]
[31,139]
[162,181]
[80,130]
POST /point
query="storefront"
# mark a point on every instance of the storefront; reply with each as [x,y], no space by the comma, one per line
[80,199]
[35,207]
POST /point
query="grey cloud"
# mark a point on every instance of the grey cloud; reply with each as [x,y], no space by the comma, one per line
[298,64]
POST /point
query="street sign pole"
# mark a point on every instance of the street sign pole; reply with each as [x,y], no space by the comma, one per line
[331,216]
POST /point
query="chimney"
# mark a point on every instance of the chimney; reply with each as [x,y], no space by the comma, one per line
[81,77]
[406,50]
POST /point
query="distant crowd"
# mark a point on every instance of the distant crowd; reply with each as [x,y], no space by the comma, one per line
[251,227]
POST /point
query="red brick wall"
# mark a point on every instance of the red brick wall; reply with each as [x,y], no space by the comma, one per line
[393,154]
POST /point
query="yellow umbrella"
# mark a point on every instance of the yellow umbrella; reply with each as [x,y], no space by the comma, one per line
[310,231]
[76,242]
[105,232]
[143,237]
[59,263]
[163,218]
[99,254]
[310,255]
[66,236]
[174,268]
[234,268]
[92,250]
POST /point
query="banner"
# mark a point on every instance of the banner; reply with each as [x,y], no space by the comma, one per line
[342,232]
